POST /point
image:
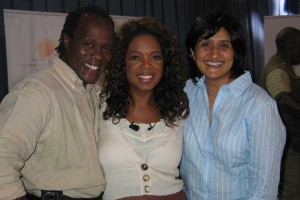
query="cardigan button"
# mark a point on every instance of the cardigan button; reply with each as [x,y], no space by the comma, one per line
[144,166]
[147,189]
[146,178]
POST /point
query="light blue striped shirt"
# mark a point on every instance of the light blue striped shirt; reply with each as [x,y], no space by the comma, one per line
[239,155]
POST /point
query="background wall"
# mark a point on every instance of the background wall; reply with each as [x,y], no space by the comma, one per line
[177,14]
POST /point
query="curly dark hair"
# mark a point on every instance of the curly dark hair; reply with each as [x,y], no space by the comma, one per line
[71,23]
[206,26]
[168,95]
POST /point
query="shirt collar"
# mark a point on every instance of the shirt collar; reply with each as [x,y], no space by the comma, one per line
[68,75]
[237,86]
[240,84]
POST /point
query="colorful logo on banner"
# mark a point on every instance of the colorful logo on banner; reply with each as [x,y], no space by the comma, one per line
[46,47]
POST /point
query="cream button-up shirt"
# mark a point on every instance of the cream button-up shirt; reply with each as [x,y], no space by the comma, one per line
[48,129]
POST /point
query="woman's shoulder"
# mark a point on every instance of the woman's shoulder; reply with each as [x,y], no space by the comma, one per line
[191,87]
[257,100]
[259,94]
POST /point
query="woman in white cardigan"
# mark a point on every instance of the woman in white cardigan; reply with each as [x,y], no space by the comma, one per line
[143,105]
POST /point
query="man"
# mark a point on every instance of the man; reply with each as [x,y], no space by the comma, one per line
[280,81]
[49,122]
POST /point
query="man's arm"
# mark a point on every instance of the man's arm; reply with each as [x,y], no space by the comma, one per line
[278,86]
[288,104]
[22,117]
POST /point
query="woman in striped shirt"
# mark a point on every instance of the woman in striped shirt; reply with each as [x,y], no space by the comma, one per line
[233,137]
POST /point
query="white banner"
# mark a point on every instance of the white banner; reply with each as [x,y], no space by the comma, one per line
[31,38]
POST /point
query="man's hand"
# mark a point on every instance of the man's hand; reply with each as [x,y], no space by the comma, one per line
[22,198]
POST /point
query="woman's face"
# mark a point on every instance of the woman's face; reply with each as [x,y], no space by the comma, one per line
[214,57]
[144,63]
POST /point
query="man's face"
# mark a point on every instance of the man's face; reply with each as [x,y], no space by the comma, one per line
[90,47]
[295,51]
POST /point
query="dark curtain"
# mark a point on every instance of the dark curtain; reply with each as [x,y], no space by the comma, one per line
[176,14]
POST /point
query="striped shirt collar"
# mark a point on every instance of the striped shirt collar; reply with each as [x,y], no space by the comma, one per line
[237,87]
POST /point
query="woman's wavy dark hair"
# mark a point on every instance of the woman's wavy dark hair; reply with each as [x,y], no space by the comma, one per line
[206,26]
[168,95]
[72,20]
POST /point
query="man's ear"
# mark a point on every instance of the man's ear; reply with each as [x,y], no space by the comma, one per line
[192,53]
[66,40]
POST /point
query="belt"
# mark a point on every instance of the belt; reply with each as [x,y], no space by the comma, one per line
[60,196]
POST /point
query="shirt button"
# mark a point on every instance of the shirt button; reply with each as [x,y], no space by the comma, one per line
[144,166]
[147,189]
[146,177]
